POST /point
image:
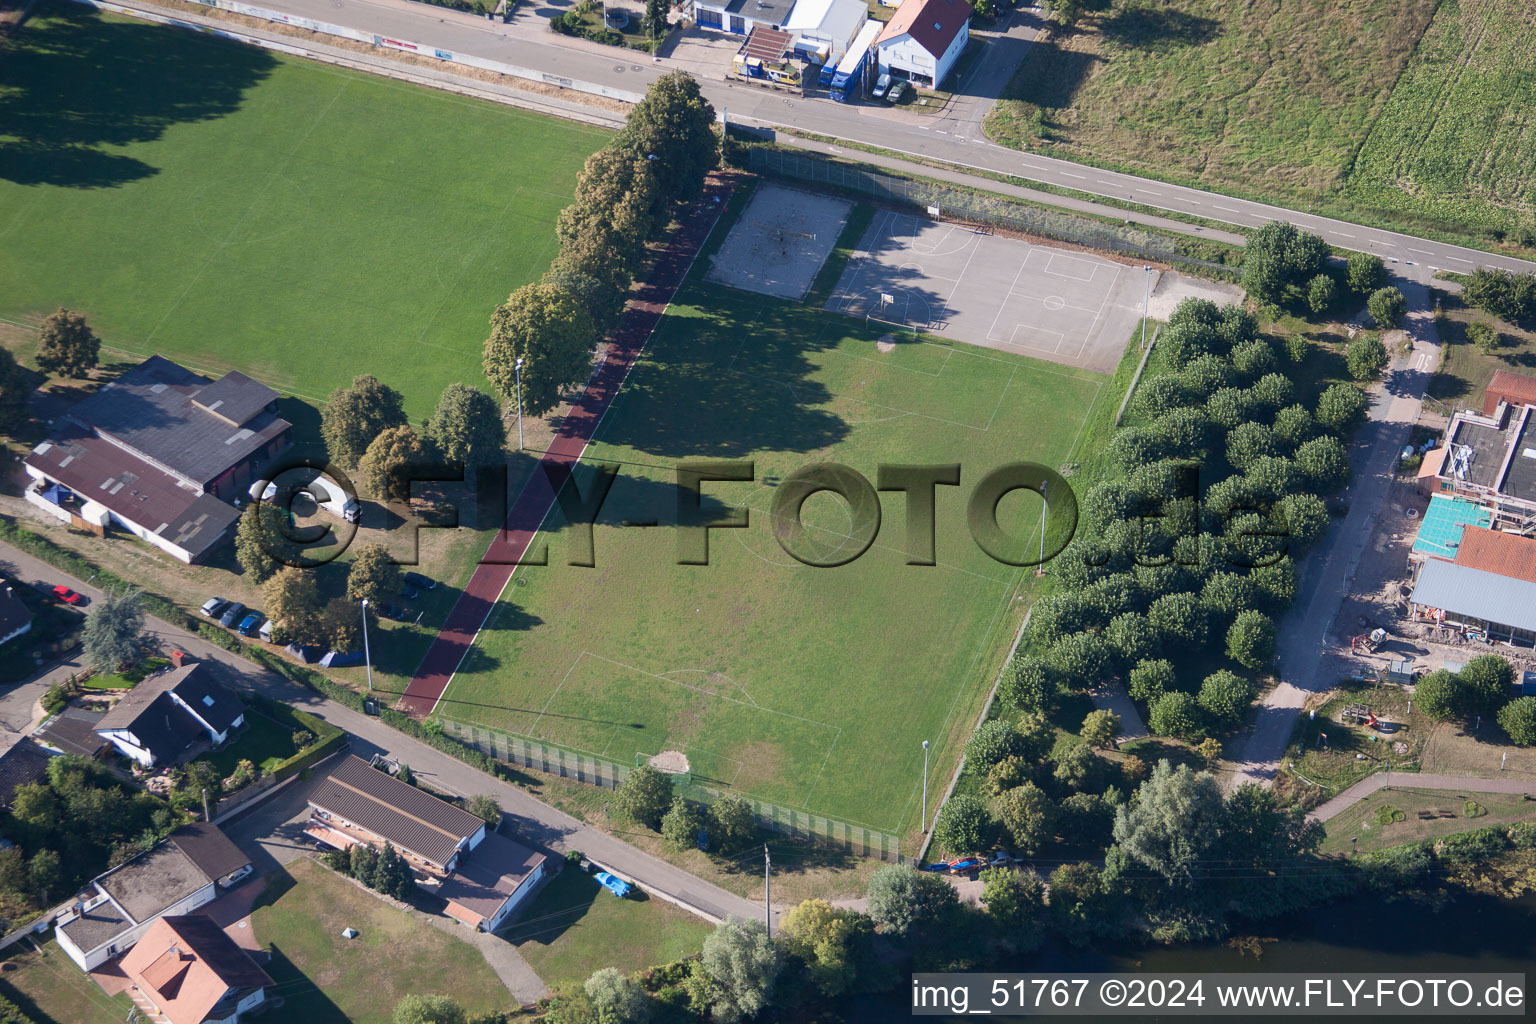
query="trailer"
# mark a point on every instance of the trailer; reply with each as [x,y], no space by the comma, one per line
[850,70]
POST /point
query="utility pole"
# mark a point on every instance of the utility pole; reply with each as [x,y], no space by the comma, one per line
[767,890]
[367,656]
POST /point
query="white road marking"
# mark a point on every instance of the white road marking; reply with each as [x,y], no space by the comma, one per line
[1422,252]
[1228,209]
[1069,174]
[1150,192]
[1458,259]
[1344,234]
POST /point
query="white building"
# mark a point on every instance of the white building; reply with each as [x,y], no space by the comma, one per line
[923,40]
[824,29]
[740,17]
[178,876]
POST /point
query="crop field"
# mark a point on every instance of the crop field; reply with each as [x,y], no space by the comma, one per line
[809,687]
[1413,113]
[232,208]
[1458,136]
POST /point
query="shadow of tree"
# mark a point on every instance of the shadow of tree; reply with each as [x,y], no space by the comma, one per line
[78,84]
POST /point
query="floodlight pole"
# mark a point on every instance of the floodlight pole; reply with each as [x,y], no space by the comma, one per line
[1045,515]
[1146,310]
[767,889]
[367,656]
[925,787]
[518,366]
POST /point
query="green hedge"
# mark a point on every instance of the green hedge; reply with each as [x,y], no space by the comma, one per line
[10,1013]
[1477,845]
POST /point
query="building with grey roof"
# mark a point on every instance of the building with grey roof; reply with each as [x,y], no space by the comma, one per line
[1491,459]
[160,452]
[176,877]
[157,721]
[1501,607]
[373,807]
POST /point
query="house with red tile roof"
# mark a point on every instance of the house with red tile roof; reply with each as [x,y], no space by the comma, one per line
[923,40]
[185,970]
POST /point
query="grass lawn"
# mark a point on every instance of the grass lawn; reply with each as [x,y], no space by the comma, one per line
[1319,769]
[808,687]
[1404,112]
[575,926]
[327,978]
[50,989]
[297,221]
[1455,748]
[265,743]
[1465,370]
[1390,817]
[125,680]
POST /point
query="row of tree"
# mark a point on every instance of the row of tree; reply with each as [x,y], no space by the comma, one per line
[386,872]
[1483,688]
[646,797]
[624,196]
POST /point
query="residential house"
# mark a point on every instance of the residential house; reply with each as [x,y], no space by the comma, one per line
[185,970]
[183,873]
[15,617]
[22,763]
[923,40]
[483,875]
[1490,458]
[158,721]
[160,452]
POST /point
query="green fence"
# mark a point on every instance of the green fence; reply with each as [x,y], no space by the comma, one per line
[597,771]
[974,207]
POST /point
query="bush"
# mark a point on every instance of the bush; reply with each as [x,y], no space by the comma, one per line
[681,825]
[1149,680]
[965,825]
[644,796]
[1518,720]
[1483,337]
[993,741]
[1176,714]
[1395,869]
[56,699]
[1480,844]
[1387,307]
[1438,695]
[1321,293]
[1364,273]
[1224,697]
[1028,685]
[1341,408]
[1365,357]
[1251,640]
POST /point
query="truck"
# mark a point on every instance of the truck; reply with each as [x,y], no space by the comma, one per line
[847,76]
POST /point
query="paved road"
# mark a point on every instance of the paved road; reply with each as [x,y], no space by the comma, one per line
[955,138]
[1327,572]
[1413,780]
[646,305]
[530,820]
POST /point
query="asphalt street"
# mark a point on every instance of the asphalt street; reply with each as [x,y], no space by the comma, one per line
[954,137]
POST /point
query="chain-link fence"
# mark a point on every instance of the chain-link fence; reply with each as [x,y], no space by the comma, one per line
[554,760]
[971,207]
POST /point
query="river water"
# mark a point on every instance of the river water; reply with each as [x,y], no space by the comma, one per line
[1401,937]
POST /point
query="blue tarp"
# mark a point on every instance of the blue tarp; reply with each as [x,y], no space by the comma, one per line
[57,493]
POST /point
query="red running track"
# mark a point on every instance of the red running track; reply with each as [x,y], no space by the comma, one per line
[527,514]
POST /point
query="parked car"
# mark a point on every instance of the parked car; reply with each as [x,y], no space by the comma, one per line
[1001,859]
[68,596]
[960,867]
[391,611]
[615,885]
[419,581]
[897,92]
[409,592]
[214,607]
[232,614]
[881,85]
[938,865]
[250,623]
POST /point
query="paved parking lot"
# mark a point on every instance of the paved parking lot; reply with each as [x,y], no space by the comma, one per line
[1005,293]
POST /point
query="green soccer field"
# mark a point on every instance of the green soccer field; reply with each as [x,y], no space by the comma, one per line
[232,208]
[812,688]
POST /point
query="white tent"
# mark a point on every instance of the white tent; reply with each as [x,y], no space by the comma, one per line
[826,27]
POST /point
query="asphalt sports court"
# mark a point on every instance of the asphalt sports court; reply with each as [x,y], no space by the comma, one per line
[966,284]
